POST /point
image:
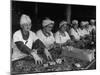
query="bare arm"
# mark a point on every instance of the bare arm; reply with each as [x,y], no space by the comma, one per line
[23,48]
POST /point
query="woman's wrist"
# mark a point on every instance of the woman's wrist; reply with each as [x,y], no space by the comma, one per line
[34,51]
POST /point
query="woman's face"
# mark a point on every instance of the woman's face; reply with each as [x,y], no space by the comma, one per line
[76,26]
[63,27]
[26,27]
[92,23]
[87,26]
[48,28]
[82,26]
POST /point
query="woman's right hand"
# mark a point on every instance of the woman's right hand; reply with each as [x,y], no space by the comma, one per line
[70,48]
[38,60]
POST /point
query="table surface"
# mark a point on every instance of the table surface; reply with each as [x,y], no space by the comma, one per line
[67,65]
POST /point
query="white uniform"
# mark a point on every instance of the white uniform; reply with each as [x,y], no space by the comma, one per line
[61,39]
[17,54]
[47,41]
[83,32]
[91,28]
[88,31]
[76,34]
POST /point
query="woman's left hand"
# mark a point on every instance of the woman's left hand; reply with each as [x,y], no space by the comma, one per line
[48,54]
[70,48]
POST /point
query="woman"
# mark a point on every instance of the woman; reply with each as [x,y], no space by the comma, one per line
[75,35]
[46,36]
[92,24]
[23,40]
[87,27]
[61,36]
[62,39]
[74,32]
[83,31]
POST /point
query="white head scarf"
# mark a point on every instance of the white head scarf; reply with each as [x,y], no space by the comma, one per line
[87,22]
[25,19]
[92,20]
[83,23]
[62,23]
[46,22]
[75,22]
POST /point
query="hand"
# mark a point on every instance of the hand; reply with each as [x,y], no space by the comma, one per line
[69,41]
[37,59]
[70,48]
[47,53]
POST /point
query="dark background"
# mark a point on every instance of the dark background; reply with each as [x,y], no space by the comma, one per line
[57,12]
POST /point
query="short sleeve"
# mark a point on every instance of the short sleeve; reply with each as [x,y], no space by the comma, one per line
[40,35]
[68,37]
[53,37]
[16,37]
[57,37]
[34,36]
